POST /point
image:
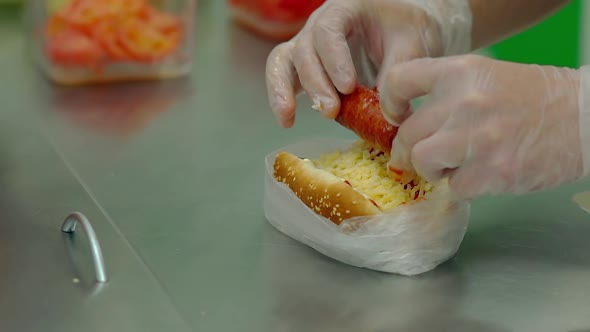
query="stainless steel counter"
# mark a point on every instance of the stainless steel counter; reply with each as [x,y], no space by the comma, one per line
[171,175]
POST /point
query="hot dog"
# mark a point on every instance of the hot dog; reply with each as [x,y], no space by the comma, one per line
[355,182]
[360,112]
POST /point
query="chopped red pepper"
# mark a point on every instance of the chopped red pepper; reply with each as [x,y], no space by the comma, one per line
[129,30]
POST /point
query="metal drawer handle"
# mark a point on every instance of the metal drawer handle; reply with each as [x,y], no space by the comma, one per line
[69,226]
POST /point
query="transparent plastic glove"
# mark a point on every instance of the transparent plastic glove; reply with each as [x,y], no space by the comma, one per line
[489,126]
[321,59]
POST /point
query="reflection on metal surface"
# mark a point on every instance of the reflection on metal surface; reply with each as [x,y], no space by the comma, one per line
[333,300]
[583,200]
[121,109]
[69,226]
[247,57]
[192,246]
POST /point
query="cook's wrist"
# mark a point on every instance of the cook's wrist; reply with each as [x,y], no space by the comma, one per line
[454,18]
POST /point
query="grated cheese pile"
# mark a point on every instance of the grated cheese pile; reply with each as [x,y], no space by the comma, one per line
[365,169]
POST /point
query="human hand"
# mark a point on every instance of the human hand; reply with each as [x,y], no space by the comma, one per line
[489,126]
[320,59]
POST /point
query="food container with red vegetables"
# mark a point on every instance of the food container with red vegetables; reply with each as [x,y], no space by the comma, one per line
[97,41]
[277,20]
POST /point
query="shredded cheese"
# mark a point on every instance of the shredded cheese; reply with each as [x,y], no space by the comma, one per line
[365,168]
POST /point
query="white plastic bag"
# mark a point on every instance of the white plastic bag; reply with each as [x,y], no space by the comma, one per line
[410,240]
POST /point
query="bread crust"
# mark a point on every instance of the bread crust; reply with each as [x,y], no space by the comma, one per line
[324,193]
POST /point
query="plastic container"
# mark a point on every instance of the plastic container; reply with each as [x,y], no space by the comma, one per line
[277,20]
[98,41]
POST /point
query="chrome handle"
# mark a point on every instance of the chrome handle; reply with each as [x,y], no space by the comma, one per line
[69,226]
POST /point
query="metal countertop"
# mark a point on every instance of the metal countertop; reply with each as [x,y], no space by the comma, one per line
[171,175]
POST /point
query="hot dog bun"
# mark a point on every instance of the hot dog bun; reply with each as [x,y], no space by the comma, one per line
[346,184]
[356,182]
[323,192]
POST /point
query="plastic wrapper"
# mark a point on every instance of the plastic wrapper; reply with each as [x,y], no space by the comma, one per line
[275,20]
[410,240]
[78,42]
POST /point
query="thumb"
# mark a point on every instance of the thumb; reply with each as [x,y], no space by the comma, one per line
[405,82]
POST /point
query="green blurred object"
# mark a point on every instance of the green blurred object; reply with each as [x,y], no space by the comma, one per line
[555,41]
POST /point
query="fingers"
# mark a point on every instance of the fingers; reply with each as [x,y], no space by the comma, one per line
[395,52]
[407,81]
[438,155]
[434,157]
[314,78]
[443,154]
[468,182]
[318,60]
[330,41]
[282,84]
[422,124]
[292,66]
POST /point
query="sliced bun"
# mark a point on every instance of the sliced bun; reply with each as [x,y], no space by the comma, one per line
[323,192]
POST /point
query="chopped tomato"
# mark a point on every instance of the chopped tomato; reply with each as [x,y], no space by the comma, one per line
[164,22]
[112,30]
[73,48]
[270,10]
[299,8]
[82,14]
[144,43]
[395,174]
[125,7]
[55,25]
[276,20]
[107,7]
[85,13]
[106,34]
[280,10]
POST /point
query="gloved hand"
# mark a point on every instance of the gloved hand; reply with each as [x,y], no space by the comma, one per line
[490,126]
[319,59]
